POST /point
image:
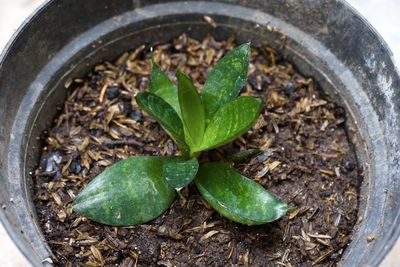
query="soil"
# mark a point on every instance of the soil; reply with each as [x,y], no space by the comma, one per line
[308,162]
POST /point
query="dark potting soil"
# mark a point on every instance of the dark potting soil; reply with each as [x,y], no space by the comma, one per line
[308,162]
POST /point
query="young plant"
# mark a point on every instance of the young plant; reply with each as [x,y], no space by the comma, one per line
[139,189]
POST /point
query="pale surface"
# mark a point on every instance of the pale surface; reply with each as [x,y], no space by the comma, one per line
[383,15]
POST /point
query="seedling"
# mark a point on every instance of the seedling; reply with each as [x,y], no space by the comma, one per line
[139,189]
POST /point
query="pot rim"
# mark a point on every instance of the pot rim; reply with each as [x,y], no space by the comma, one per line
[11,231]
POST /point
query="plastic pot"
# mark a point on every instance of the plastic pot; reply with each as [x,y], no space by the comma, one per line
[325,39]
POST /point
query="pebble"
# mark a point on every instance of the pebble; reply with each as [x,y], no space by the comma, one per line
[279,58]
[75,167]
[136,114]
[326,193]
[349,165]
[112,92]
[162,229]
[264,156]
[289,88]
[52,160]
[127,108]
[252,79]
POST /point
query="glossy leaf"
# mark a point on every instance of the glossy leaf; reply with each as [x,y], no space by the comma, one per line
[192,110]
[236,197]
[165,115]
[132,191]
[231,121]
[179,173]
[226,79]
[162,86]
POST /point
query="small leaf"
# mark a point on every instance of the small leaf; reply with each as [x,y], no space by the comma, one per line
[180,173]
[192,110]
[237,197]
[231,121]
[226,79]
[244,155]
[132,191]
[161,86]
[165,115]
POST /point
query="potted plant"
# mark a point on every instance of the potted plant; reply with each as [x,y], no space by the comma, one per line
[318,48]
[125,194]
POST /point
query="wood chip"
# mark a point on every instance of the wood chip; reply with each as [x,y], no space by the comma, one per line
[102,93]
[328,172]
[57,199]
[274,164]
[210,21]
[320,236]
[246,258]
[97,254]
[323,257]
[209,234]
[370,238]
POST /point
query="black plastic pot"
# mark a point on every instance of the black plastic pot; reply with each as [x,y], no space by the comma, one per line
[325,39]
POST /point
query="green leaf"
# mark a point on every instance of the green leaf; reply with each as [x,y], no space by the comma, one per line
[192,110]
[236,197]
[180,173]
[226,79]
[161,85]
[244,155]
[165,115]
[132,191]
[231,121]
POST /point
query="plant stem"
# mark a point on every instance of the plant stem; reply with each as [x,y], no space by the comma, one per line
[194,155]
[180,195]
